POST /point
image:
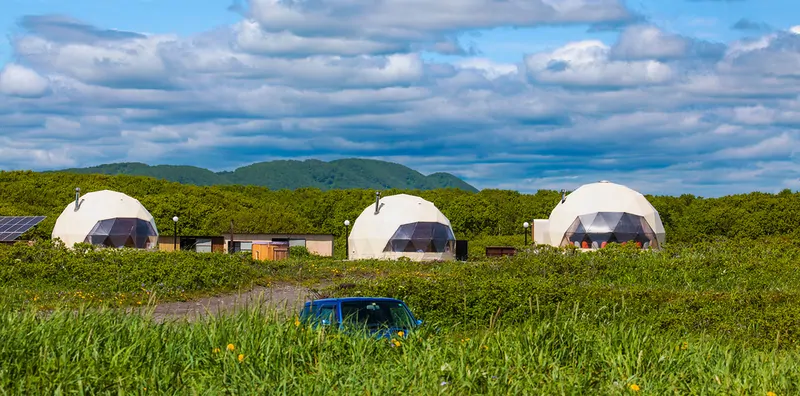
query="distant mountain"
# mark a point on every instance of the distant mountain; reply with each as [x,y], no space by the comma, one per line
[276,175]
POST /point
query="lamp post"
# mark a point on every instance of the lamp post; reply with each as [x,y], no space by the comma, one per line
[175,238]
[346,242]
[525,226]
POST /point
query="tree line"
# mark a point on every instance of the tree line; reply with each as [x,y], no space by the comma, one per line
[210,210]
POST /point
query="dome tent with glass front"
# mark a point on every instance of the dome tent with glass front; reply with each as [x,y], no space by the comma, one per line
[106,218]
[599,213]
[401,225]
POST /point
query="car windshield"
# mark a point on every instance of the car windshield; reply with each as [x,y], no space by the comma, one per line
[375,314]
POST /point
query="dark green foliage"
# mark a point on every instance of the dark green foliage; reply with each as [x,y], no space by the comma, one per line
[474,216]
[124,270]
[731,289]
[298,252]
[276,175]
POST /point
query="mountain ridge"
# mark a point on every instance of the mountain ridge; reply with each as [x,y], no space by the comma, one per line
[345,173]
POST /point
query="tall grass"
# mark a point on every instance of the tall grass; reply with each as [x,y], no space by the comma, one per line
[91,351]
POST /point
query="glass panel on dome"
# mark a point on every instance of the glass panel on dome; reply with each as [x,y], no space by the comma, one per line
[123,232]
[422,237]
[596,230]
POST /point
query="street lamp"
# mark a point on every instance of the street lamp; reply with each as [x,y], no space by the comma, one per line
[175,237]
[525,226]
[346,243]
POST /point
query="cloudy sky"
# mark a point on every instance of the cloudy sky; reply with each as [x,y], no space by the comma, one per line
[666,96]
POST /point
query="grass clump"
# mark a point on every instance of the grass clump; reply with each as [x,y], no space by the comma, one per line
[263,351]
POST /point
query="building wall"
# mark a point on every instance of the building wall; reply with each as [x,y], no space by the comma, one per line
[320,244]
[541,231]
[165,243]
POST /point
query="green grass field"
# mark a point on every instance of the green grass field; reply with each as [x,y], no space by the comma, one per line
[713,318]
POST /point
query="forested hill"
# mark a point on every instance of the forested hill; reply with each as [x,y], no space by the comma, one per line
[209,210]
[276,175]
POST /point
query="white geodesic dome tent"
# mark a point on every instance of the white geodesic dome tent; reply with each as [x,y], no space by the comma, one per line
[107,218]
[599,213]
[402,226]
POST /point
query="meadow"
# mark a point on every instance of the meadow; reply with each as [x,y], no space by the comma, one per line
[719,317]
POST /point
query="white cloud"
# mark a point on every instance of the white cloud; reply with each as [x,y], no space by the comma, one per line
[252,38]
[488,67]
[587,63]
[658,111]
[17,80]
[132,62]
[781,146]
[419,19]
[649,42]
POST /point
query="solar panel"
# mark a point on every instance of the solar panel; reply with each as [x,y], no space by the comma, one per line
[11,227]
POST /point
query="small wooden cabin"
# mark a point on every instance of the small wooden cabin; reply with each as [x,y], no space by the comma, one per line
[270,250]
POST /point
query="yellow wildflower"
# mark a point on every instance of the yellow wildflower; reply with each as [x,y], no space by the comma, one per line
[395,342]
[215,350]
[634,387]
[241,357]
[771,394]
[231,347]
[297,322]
[401,333]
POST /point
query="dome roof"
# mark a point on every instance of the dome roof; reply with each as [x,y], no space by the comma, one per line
[371,232]
[603,196]
[73,226]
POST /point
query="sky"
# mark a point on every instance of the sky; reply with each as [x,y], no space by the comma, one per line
[668,97]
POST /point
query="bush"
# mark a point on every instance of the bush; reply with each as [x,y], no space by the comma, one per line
[735,290]
[51,266]
[299,252]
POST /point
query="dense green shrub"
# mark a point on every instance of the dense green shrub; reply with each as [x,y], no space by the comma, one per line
[474,216]
[746,291]
[736,289]
[90,268]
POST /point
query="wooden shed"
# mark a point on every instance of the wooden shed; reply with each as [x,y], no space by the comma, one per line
[496,251]
[270,250]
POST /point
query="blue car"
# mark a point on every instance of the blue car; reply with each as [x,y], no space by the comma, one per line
[380,316]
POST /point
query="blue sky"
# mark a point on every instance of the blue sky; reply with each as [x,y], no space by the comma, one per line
[668,97]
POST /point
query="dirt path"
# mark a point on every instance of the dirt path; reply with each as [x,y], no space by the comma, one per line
[287,298]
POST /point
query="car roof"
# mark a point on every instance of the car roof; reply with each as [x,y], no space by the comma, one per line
[353,299]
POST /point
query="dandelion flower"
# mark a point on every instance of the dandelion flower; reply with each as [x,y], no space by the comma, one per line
[401,333]
[241,357]
[215,350]
[635,387]
[231,347]
[297,322]
[771,394]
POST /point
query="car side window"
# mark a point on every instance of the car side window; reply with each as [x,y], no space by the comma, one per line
[327,313]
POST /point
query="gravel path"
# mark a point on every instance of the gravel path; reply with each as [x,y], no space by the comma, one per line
[287,298]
